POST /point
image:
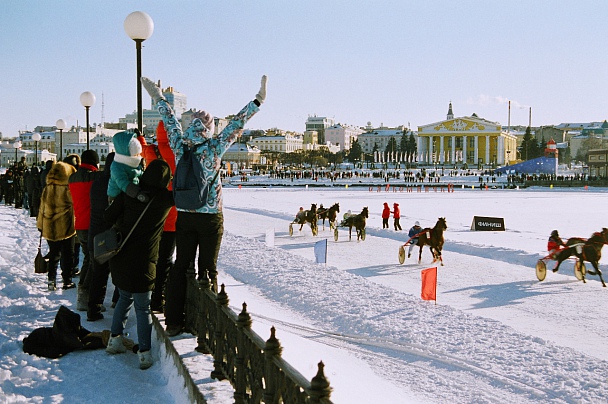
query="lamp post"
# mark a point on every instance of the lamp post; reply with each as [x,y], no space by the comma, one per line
[36,138]
[87,99]
[17,146]
[60,124]
[508,156]
[139,26]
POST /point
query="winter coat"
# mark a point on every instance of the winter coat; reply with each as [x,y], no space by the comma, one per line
[396,211]
[32,181]
[65,336]
[554,243]
[127,166]
[48,165]
[413,231]
[209,149]
[99,202]
[134,268]
[386,212]
[56,215]
[80,187]
[162,147]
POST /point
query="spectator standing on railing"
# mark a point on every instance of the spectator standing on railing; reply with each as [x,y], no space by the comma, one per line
[200,229]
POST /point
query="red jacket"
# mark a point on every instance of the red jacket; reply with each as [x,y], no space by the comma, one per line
[80,187]
[554,243]
[149,154]
[386,212]
[396,211]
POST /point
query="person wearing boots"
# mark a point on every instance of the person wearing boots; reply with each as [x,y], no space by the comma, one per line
[80,187]
[133,269]
[56,222]
[201,229]
[396,217]
[151,152]
[386,214]
[414,231]
[99,272]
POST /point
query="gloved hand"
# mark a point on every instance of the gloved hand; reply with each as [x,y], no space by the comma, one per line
[152,89]
[261,95]
[205,117]
[135,192]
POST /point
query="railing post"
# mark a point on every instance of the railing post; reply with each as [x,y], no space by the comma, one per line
[271,349]
[204,310]
[319,386]
[243,323]
[221,300]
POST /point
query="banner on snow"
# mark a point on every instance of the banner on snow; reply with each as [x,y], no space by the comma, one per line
[482,223]
[321,251]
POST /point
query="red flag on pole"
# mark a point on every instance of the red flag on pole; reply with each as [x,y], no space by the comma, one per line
[429,284]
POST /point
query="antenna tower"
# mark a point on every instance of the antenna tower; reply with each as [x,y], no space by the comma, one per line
[103,117]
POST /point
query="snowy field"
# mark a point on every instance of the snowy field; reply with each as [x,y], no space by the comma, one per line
[495,335]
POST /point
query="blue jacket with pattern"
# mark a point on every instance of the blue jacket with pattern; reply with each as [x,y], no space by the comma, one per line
[209,149]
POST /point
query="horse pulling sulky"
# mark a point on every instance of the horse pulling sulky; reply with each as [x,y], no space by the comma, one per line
[433,237]
[357,221]
[306,216]
[589,250]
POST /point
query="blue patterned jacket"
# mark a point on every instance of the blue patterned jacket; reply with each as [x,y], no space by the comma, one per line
[209,150]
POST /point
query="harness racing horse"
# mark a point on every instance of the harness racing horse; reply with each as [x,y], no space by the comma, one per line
[434,239]
[358,222]
[308,216]
[574,246]
[330,214]
[591,252]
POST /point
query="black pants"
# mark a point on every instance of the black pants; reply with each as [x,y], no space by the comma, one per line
[99,275]
[166,248]
[193,231]
[83,239]
[385,223]
[397,225]
[61,251]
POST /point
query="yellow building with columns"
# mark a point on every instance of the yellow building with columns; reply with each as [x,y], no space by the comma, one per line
[468,139]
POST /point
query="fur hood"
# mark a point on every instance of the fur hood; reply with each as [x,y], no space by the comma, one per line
[56,214]
[60,173]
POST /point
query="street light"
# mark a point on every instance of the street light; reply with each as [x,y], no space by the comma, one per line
[17,146]
[60,124]
[36,138]
[87,99]
[139,26]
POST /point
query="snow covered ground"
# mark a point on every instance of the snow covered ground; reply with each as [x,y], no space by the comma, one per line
[495,335]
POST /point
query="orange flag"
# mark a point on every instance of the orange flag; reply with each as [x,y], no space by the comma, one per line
[429,284]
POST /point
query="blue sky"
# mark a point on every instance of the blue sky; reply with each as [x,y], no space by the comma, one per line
[391,62]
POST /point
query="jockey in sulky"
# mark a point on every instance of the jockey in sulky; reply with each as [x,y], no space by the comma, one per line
[555,243]
[300,215]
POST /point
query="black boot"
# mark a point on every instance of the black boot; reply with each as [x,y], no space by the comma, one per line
[68,284]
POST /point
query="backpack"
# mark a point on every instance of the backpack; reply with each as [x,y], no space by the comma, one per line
[190,186]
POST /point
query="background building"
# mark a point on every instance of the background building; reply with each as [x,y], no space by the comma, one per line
[319,124]
[342,135]
[468,139]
